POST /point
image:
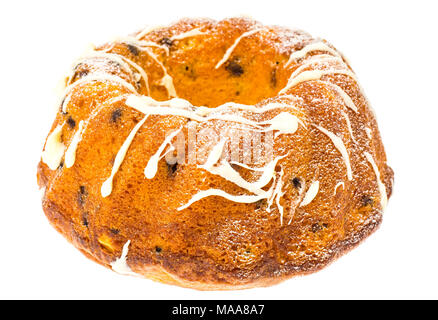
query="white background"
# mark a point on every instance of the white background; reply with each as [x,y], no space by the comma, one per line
[392,46]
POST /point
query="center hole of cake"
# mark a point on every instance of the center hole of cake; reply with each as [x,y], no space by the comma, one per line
[239,80]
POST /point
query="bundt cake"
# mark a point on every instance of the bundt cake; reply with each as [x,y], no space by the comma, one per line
[214,155]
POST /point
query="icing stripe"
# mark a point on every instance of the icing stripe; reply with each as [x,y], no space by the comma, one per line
[139,44]
[109,56]
[314,75]
[70,154]
[152,166]
[225,171]
[310,194]
[95,77]
[350,130]
[217,192]
[284,122]
[231,49]
[337,186]
[278,194]
[319,46]
[341,148]
[368,132]
[141,71]
[316,60]
[120,266]
[146,30]
[54,149]
[192,33]
[214,155]
[166,80]
[107,186]
[381,186]
[347,99]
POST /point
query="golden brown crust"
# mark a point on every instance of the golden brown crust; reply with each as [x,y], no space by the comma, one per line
[215,243]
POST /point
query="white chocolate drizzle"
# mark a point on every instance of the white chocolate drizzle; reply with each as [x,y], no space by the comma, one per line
[214,155]
[284,122]
[368,132]
[252,108]
[109,56]
[144,32]
[122,61]
[142,73]
[101,77]
[225,170]
[236,42]
[54,149]
[107,186]
[192,33]
[350,130]
[125,63]
[339,144]
[313,75]
[166,80]
[120,266]
[218,192]
[310,194]
[323,60]
[70,154]
[318,46]
[295,203]
[139,44]
[347,99]
[278,194]
[341,183]
[381,186]
[152,166]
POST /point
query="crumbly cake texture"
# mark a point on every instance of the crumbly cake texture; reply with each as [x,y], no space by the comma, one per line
[214,225]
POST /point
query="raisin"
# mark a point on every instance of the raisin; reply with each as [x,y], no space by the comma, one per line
[114,231]
[82,195]
[133,49]
[172,168]
[71,122]
[166,41]
[158,249]
[296,182]
[85,219]
[261,203]
[234,68]
[82,73]
[366,200]
[274,78]
[115,115]
[316,227]
[60,106]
